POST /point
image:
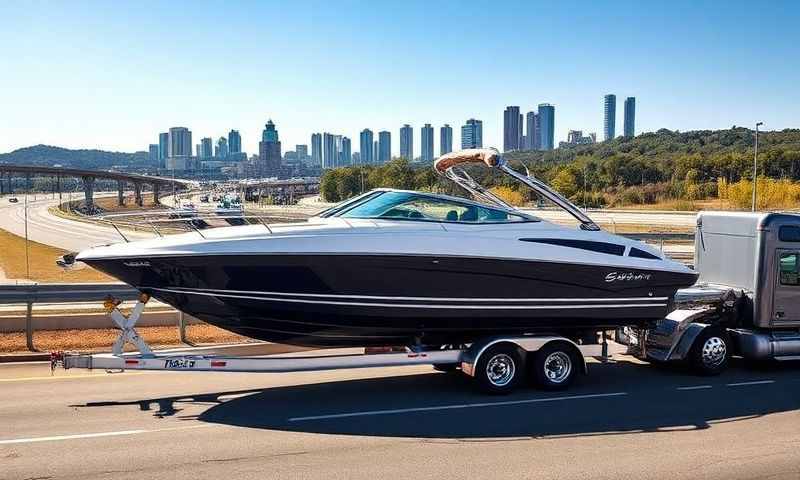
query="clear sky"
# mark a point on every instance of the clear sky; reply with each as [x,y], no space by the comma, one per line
[112,75]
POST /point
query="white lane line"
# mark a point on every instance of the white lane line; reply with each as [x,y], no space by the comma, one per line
[694,387]
[453,407]
[757,382]
[94,435]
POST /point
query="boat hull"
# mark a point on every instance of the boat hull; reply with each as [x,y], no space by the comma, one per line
[364,300]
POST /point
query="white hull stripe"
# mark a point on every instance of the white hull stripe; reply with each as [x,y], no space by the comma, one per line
[425,299]
[412,305]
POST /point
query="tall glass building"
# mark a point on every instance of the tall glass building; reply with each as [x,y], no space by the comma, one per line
[511,129]
[532,140]
[609,116]
[234,142]
[630,117]
[366,139]
[445,139]
[407,142]
[472,134]
[547,124]
[316,149]
[384,146]
[426,139]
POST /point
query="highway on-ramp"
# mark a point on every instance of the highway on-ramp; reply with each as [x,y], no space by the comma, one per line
[625,420]
[49,229]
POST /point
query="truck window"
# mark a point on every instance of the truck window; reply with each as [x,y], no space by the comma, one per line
[789,233]
[788,269]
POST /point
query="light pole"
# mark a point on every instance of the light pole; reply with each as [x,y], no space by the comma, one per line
[755,167]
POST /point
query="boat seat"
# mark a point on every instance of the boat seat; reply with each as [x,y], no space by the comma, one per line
[469,215]
[452,216]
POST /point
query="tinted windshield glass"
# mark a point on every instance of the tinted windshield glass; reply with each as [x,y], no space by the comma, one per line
[402,205]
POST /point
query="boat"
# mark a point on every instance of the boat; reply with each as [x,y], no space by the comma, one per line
[396,267]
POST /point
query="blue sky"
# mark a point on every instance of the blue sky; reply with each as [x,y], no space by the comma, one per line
[112,75]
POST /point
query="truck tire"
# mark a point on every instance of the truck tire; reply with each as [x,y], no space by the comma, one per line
[711,352]
[554,366]
[499,369]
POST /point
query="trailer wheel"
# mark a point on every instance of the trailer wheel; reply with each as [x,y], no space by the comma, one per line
[499,369]
[554,366]
[711,352]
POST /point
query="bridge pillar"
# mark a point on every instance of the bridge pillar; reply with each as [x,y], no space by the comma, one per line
[88,191]
[156,193]
[2,187]
[137,193]
[120,193]
[10,186]
[58,188]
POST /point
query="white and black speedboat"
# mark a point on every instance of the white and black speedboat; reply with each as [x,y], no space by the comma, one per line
[395,267]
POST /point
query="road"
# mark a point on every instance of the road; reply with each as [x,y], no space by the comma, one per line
[625,420]
[49,229]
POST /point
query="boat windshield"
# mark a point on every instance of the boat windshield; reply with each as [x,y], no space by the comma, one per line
[412,206]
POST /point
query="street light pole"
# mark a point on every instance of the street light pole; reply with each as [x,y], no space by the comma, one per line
[755,167]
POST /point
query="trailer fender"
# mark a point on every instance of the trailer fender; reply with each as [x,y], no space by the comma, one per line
[527,344]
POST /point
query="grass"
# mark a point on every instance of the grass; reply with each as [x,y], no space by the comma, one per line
[42,261]
[102,339]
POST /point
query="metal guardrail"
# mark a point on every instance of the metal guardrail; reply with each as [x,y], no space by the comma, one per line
[662,237]
[65,292]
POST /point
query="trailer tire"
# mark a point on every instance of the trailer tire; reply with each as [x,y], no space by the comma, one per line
[554,366]
[711,352]
[499,369]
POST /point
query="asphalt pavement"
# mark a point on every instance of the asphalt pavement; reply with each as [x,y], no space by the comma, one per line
[625,420]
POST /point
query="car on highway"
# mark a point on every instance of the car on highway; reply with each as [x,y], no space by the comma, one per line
[13,200]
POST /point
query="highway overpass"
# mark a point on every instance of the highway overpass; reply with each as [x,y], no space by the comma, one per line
[88,177]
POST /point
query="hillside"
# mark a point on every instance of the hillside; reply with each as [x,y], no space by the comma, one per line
[46,155]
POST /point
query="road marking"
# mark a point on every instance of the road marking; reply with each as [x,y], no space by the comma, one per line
[453,407]
[742,384]
[694,387]
[95,435]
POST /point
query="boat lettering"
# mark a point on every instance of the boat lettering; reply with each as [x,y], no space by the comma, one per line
[141,263]
[178,363]
[627,277]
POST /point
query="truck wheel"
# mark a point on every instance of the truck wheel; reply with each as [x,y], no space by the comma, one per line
[499,369]
[711,352]
[554,366]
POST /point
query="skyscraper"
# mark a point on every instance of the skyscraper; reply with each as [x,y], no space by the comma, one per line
[445,140]
[532,140]
[345,154]
[366,141]
[179,146]
[547,123]
[609,116]
[163,147]
[375,151]
[472,134]
[316,149]
[302,153]
[234,142]
[384,146]
[407,142]
[426,139]
[152,154]
[630,117]
[222,145]
[511,128]
[269,151]
[330,150]
[206,148]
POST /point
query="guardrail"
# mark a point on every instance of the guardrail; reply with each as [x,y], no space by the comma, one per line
[30,294]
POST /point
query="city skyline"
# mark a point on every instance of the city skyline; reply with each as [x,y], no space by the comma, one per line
[102,92]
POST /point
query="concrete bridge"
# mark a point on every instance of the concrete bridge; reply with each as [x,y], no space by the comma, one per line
[88,177]
[290,186]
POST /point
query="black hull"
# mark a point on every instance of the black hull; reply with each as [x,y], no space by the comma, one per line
[364,300]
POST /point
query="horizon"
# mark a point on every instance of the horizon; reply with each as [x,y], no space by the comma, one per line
[94,80]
